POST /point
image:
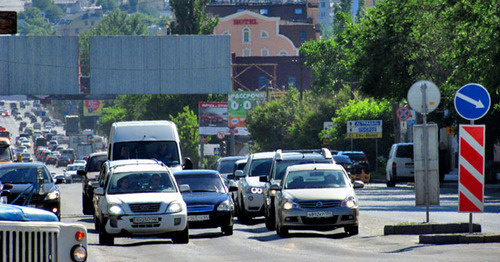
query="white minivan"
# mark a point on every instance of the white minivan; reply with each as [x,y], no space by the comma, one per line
[400,164]
[155,139]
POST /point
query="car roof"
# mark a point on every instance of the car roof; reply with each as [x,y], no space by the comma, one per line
[99,154]
[228,158]
[262,155]
[137,165]
[305,167]
[21,164]
[298,155]
[350,152]
[196,172]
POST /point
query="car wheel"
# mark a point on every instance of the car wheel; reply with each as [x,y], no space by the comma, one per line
[281,230]
[105,238]
[352,230]
[227,230]
[181,237]
[391,182]
[242,214]
[86,203]
[270,220]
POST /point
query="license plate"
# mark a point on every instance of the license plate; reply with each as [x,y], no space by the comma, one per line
[320,214]
[198,218]
[143,220]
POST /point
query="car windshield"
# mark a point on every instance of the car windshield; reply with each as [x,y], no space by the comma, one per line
[165,151]
[96,163]
[226,166]
[356,157]
[315,179]
[201,183]
[141,182]
[23,175]
[260,167]
[5,154]
[281,166]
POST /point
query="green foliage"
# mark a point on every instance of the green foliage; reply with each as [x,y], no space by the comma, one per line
[120,23]
[34,24]
[191,18]
[187,126]
[51,10]
[367,109]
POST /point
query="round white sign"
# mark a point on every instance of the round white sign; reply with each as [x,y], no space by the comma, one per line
[416,96]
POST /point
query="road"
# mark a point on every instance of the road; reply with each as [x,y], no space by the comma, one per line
[379,206]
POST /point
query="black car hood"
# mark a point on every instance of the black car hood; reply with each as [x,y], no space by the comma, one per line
[206,198]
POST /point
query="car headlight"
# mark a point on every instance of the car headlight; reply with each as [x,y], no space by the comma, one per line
[225,206]
[116,210]
[350,202]
[79,253]
[52,195]
[174,207]
[289,204]
[255,190]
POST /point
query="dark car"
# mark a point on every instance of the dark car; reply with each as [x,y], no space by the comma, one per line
[225,166]
[51,159]
[33,186]
[344,161]
[209,204]
[63,161]
[89,175]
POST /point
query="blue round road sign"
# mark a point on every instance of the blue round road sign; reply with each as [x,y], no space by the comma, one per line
[472,101]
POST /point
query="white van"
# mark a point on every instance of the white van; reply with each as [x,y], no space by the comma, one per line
[400,164]
[156,139]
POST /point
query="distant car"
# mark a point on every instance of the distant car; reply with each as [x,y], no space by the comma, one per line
[139,198]
[70,172]
[63,161]
[316,197]
[27,157]
[33,185]
[26,143]
[20,149]
[81,162]
[400,164]
[225,166]
[209,204]
[88,176]
[344,161]
[51,158]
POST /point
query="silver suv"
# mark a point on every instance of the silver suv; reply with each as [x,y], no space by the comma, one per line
[139,197]
[250,197]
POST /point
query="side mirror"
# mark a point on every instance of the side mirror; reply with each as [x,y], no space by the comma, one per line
[230,176]
[99,191]
[94,184]
[185,188]
[80,172]
[275,187]
[263,179]
[7,186]
[358,184]
[239,173]
[233,188]
[5,193]
[188,164]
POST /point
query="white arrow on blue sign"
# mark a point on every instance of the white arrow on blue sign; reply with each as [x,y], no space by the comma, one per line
[472,101]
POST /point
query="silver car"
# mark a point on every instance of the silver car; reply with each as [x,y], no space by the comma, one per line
[316,197]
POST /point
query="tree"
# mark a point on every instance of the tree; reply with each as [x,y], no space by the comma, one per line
[34,24]
[191,19]
[51,10]
[187,126]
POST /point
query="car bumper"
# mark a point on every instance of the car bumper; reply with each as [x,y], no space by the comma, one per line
[166,223]
[254,203]
[210,219]
[299,218]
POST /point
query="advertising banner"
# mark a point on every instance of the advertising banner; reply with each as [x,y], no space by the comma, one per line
[213,117]
[92,108]
[240,103]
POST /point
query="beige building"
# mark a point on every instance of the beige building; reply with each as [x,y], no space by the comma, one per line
[253,34]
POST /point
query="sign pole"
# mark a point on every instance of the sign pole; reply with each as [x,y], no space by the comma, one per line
[470,213]
[425,151]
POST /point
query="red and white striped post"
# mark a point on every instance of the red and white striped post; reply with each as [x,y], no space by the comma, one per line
[471,169]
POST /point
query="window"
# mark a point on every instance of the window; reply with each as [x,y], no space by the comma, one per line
[264,11]
[298,11]
[262,82]
[323,4]
[264,52]
[264,34]
[283,52]
[246,35]
[292,82]
[247,52]
[303,36]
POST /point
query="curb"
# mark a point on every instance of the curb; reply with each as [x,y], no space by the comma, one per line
[459,238]
[430,228]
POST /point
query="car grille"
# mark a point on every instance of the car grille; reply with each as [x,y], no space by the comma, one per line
[24,244]
[144,208]
[200,208]
[319,220]
[320,203]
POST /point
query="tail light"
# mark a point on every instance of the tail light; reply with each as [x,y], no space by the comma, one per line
[394,168]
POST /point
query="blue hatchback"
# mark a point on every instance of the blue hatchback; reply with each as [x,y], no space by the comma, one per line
[209,204]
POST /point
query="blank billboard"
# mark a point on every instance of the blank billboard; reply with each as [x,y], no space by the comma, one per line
[39,65]
[187,64]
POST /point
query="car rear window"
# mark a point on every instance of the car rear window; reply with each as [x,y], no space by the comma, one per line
[405,151]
